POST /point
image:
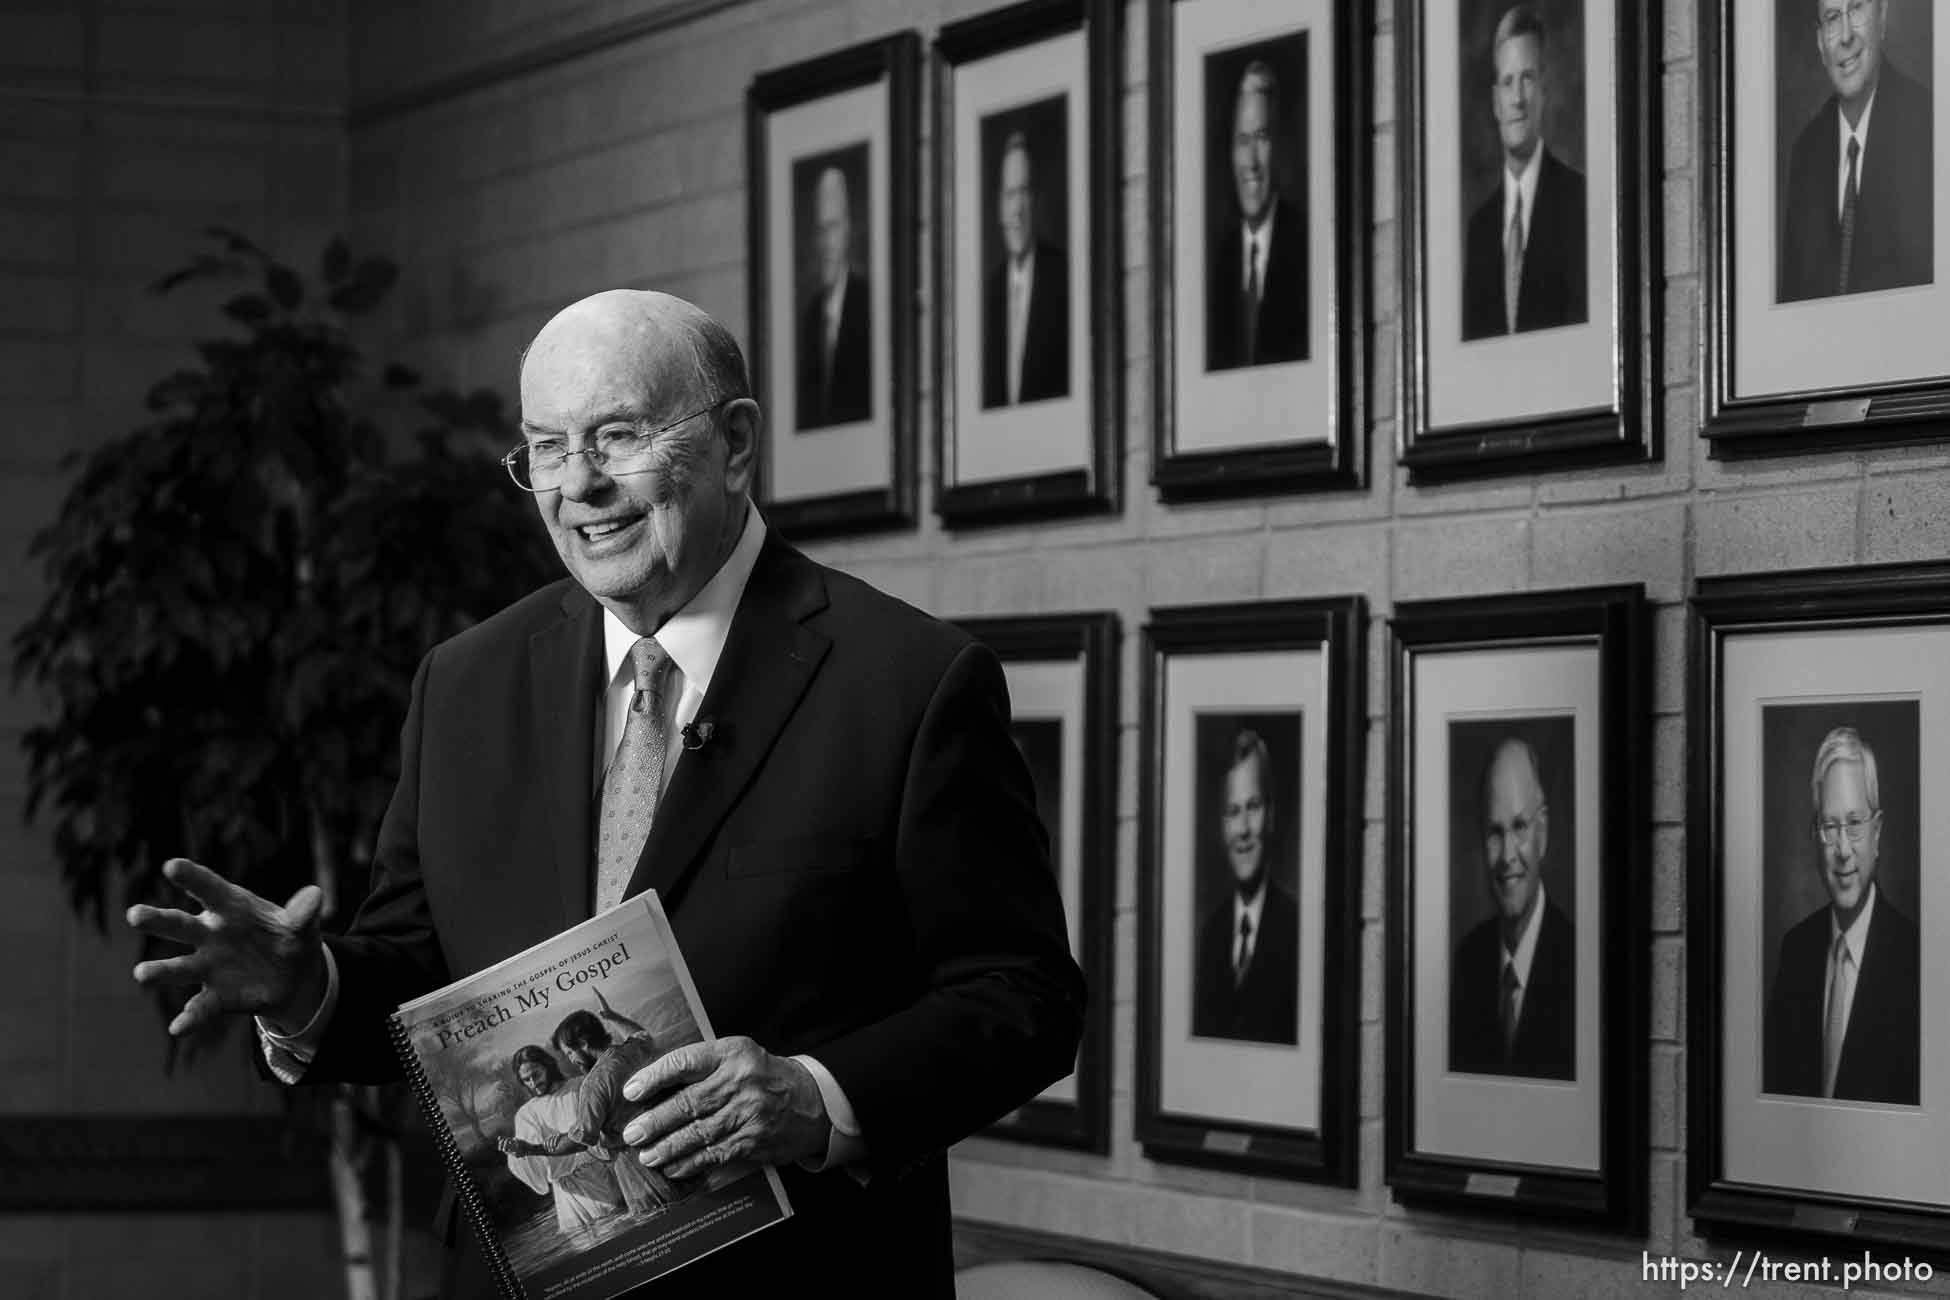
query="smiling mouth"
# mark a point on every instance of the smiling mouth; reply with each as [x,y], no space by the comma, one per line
[596,532]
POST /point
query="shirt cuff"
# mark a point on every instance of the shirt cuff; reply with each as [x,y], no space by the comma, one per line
[844,1146]
[288,1055]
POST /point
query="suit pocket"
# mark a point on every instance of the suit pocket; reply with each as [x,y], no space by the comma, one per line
[798,855]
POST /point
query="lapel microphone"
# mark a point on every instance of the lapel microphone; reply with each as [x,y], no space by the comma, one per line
[697,734]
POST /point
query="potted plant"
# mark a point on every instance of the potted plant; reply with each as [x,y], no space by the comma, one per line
[237,594]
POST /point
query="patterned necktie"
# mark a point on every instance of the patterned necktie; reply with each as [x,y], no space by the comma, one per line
[1841,983]
[635,776]
[1506,1013]
[1848,217]
[1513,262]
[1245,953]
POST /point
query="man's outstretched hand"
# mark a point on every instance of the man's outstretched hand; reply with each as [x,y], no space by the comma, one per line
[249,955]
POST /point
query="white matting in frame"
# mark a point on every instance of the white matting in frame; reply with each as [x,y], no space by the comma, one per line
[1534,372]
[1269,1084]
[1053,692]
[1251,406]
[1823,1145]
[841,458]
[1852,341]
[1504,1119]
[1013,441]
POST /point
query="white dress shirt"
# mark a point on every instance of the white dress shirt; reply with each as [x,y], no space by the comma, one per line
[1525,954]
[1860,134]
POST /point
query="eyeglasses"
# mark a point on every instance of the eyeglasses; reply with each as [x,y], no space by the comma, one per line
[1858,18]
[540,466]
[1854,829]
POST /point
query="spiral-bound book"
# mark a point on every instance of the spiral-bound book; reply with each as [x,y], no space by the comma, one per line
[520,1071]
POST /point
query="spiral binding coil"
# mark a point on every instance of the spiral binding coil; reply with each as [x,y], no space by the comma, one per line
[470,1194]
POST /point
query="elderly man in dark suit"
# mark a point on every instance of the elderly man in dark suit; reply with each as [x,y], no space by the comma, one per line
[1843,1016]
[1513,987]
[846,841]
[1859,213]
[1026,307]
[1256,280]
[1246,983]
[1524,249]
[835,333]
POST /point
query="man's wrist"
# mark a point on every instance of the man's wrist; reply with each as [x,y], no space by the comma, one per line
[307,999]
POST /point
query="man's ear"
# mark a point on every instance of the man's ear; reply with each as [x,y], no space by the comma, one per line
[744,425]
[1543,832]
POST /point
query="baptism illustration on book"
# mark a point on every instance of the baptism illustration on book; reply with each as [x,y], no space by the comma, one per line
[520,1071]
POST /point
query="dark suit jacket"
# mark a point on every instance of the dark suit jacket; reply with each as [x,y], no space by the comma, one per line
[1880,1055]
[1045,334]
[1895,219]
[1551,288]
[853,866]
[1545,1046]
[843,393]
[1281,334]
[1265,1006]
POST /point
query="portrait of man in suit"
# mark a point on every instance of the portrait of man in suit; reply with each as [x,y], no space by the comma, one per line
[1246,983]
[1524,244]
[1843,1015]
[1026,300]
[1256,274]
[1858,207]
[835,325]
[1513,982]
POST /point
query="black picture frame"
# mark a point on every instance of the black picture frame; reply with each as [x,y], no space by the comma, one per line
[1830,644]
[1613,355]
[1083,649]
[1259,658]
[1763,392]
[1311,443]
[872,459]
[1518,663]
[1084,423]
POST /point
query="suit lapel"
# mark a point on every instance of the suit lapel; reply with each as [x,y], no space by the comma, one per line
[564,667]
[769,658]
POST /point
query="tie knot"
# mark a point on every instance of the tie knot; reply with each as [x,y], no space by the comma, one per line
[1245,924]
[649,660]
[1854,148]
[1510,980]
[1842,955]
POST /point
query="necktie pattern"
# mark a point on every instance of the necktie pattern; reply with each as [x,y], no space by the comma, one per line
[1513,263]
[1848,217]
[635,777]
[1841,985]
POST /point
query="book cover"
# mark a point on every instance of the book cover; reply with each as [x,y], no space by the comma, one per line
[520,1070]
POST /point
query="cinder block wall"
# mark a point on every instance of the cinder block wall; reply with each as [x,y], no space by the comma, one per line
[126,126]
[569,170]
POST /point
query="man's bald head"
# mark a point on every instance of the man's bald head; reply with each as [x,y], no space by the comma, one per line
[657,389]
[672,342]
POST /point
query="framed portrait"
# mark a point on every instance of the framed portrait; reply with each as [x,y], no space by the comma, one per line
[1259,160]
[1516,1010]
[1819,1060]
[1029,328]
[1827,274]
[1249,902]
[833,155]
[1531,203]
[1062,674]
